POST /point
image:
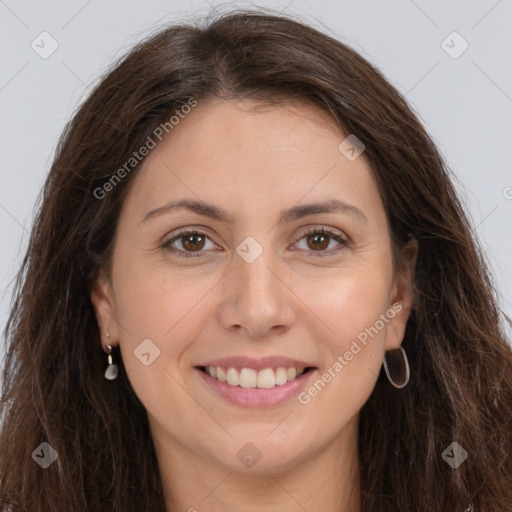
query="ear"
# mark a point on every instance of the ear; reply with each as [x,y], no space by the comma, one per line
[102,298]
[402,295]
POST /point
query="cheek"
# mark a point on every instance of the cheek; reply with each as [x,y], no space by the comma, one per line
[168,317]
[154,302]
[355,315]
[159,314]
[348,303]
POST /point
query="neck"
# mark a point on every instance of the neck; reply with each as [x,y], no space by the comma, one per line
[328,480]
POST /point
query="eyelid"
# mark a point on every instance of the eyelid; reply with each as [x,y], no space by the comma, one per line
[322,227]
[343,240]
[176,235]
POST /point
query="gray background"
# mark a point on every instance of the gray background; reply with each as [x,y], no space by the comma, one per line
[464,102]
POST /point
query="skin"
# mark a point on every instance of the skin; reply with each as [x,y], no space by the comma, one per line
[287,302]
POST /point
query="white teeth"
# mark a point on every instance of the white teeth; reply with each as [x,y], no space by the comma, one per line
[250,378]
[266,378]
[281,377]
[291,373]
[221,375]
[232,377]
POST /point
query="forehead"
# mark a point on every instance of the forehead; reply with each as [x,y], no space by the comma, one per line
[252,157]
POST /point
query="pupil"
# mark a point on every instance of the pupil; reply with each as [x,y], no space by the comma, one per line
[325,240]
[320,239]
[187,245]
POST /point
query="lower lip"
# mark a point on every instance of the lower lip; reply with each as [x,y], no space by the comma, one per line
[256,397]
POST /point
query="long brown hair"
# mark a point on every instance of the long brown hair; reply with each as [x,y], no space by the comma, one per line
[54,390]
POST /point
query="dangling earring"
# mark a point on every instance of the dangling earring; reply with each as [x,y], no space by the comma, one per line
[112,370]
[396,361]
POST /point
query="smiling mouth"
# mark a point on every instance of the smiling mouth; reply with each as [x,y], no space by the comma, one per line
[250,378]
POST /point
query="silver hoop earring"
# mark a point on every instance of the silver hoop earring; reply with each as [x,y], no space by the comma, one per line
[112,370]
[396,363]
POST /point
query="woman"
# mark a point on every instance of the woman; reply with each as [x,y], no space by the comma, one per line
[251,286]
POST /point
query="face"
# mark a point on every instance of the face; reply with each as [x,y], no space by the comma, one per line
[189,288]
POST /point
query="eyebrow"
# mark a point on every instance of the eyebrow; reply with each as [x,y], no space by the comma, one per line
[294,213]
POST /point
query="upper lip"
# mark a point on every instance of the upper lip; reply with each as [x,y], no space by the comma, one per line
[257,364]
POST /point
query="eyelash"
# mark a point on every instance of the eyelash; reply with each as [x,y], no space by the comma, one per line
[315,231]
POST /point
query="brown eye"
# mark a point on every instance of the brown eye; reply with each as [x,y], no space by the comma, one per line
[318,241]
[192,242]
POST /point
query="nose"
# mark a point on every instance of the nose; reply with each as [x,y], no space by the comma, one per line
[256,298]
